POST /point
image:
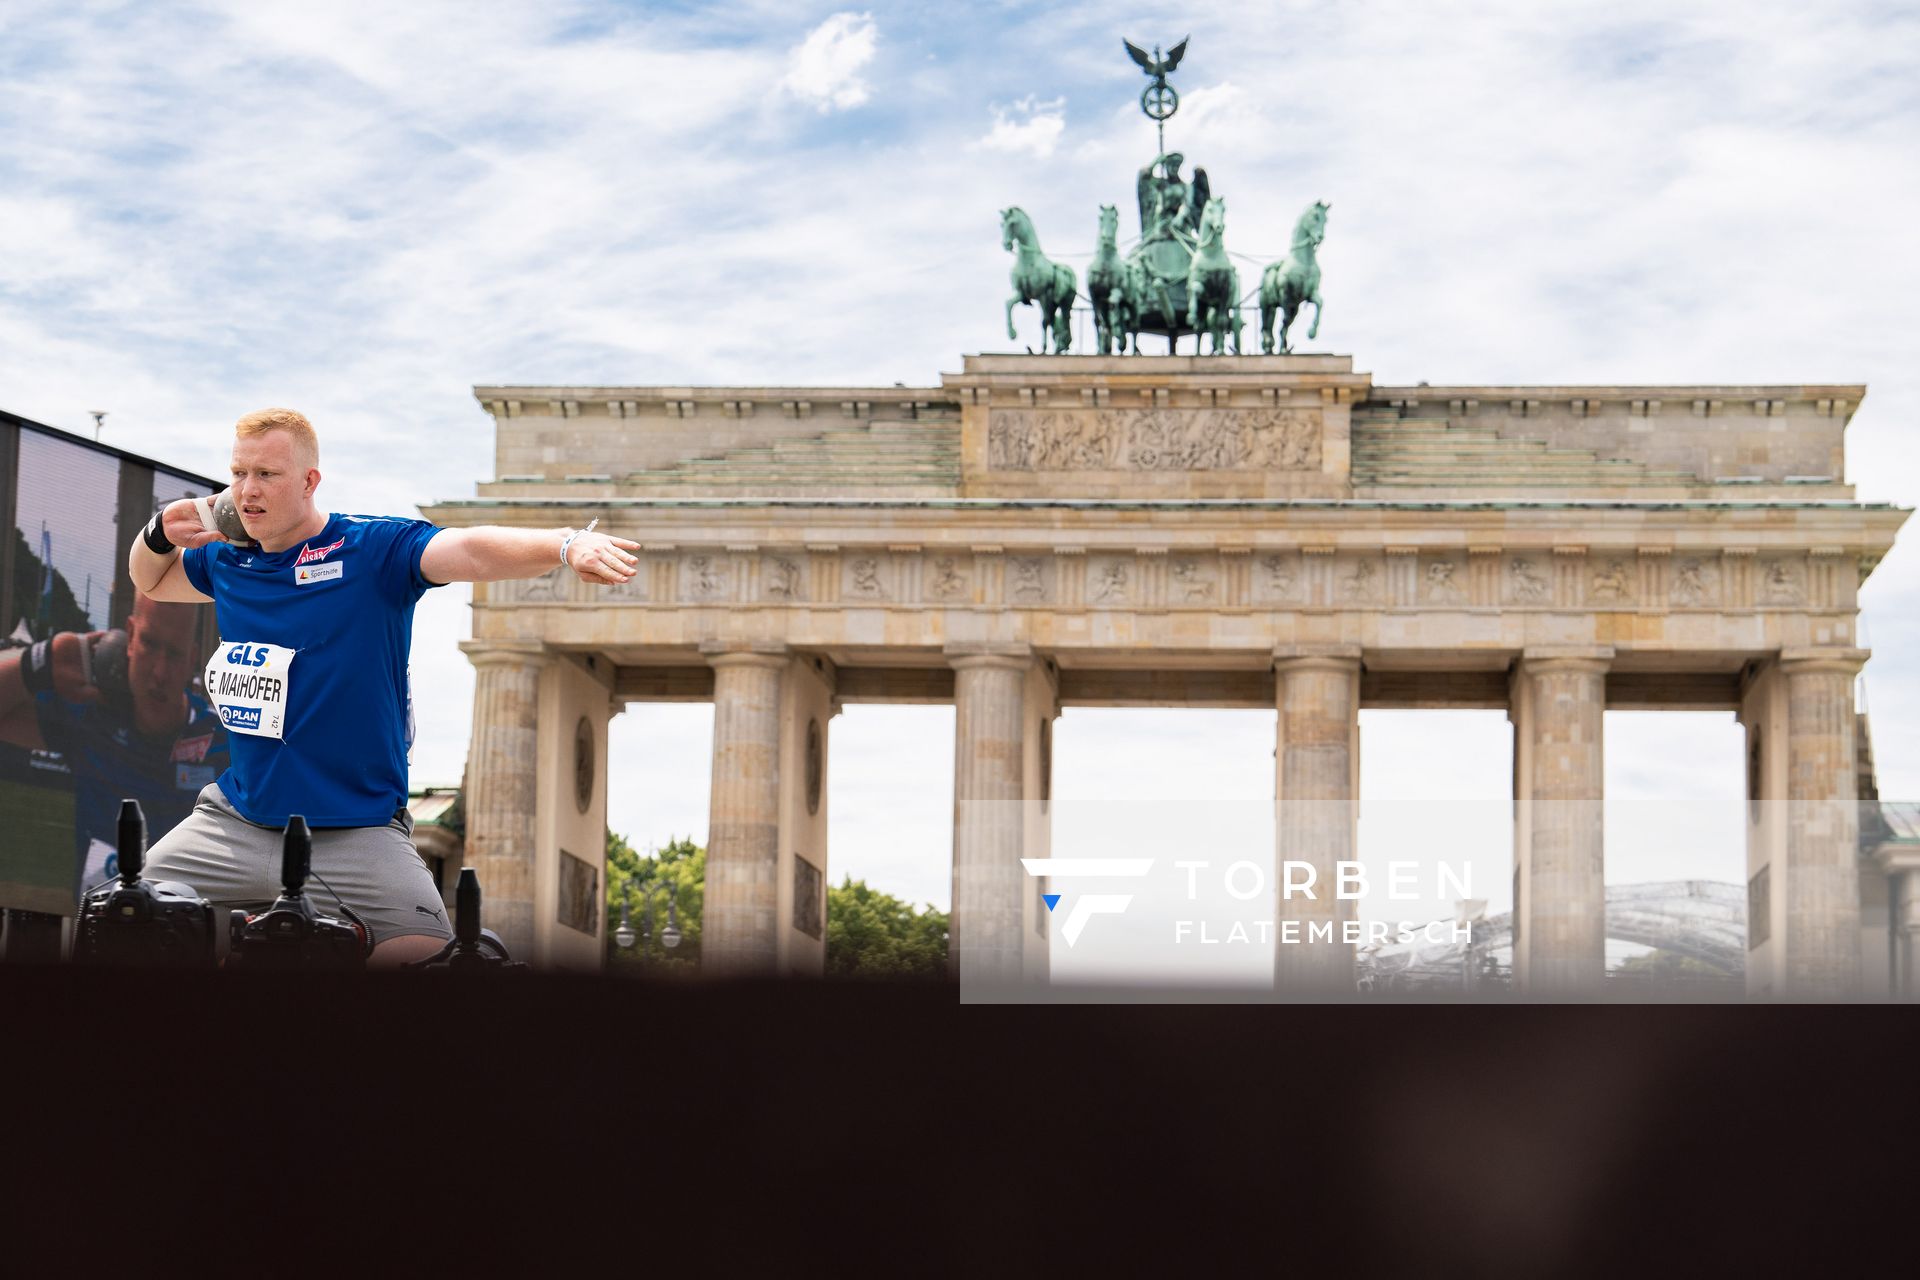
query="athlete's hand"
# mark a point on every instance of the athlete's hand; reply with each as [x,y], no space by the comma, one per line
[183,526]
[600,558]
[70,683]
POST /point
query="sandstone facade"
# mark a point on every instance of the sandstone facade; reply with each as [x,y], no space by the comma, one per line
[1039,532]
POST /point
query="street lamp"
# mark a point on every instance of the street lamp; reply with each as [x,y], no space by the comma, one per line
[1471,912]
[625,936]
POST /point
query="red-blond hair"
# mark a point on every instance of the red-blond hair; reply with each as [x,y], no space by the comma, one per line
[291,421]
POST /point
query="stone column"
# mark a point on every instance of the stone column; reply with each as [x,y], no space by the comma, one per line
[1560,894]
[740,929]
[502,784]
[1317,693]
[989,757]
[1822,881]
[1906,936]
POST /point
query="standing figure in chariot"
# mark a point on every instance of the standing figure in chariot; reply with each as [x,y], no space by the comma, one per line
[1170,208]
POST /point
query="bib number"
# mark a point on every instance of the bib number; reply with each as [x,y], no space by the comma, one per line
[248,684]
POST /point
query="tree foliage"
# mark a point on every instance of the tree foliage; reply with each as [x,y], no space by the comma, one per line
[45,601]
[1670,966]
[870,934]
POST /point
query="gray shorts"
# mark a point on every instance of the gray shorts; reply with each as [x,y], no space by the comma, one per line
[235,863]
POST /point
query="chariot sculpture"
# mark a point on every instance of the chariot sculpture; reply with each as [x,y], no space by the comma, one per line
[1178,278]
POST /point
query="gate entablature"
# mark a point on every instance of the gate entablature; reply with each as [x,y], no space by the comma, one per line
[1173,428]
[1092,577]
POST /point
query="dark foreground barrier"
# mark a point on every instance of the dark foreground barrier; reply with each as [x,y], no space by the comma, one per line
[541,1124]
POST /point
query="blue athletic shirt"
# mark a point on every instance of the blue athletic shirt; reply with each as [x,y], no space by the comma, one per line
[318,635]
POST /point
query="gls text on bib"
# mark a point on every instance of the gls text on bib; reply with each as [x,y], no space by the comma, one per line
[248,684]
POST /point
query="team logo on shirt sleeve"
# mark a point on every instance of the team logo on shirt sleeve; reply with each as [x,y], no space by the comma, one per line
[248,685]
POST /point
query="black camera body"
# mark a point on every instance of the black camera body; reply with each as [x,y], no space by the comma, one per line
[135,921]
[292,934]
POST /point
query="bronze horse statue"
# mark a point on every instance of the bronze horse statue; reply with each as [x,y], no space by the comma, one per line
[1106,286]
[1213,283]
[1038,280]
[1285,286]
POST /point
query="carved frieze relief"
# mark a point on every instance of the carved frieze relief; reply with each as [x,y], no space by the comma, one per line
[1146,578]
[866,577]
[1782,582]
[782,579]
[1111,581]
[1527,581]
[1611,582]
[548,588]
[1254,439]
[705,577]
[1358,581]
[1029,579]
[1276,578]
[1443,580]
[948,578]
[1695,582]
[1194,579]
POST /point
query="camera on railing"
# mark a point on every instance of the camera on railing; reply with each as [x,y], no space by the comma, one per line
[135,921]
[292,934]
[473,948]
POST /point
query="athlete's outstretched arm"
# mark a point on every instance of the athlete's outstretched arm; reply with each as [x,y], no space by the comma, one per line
[491,553]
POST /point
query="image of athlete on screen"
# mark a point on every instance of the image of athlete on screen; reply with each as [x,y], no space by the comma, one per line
[121,709]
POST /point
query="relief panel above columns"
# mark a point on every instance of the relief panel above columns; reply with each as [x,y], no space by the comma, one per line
[1151,448]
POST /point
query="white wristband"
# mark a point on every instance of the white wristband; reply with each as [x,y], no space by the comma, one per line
[566,543]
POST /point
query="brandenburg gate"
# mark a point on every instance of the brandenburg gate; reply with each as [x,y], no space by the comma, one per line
[1040,532]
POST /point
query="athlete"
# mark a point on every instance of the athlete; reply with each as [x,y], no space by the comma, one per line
[135,729]
[310,677]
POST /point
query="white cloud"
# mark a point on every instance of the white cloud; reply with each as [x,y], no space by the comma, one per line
[824,69]
[1028,127]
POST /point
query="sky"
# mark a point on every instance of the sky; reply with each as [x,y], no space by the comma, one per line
[363,210]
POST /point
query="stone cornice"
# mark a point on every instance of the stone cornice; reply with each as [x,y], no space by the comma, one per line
[522,401]
[1676,395]
[1863,530]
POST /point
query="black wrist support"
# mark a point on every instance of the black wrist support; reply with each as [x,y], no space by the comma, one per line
[155,534]
[36,666]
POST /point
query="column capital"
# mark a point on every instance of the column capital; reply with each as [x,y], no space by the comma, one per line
[1807,659]
[1010,657]
[745,653]
[1331,656]
[1896,859]
[1590,659]
[500,653]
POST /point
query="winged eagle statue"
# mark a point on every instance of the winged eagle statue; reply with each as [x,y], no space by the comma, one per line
[1153,64]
